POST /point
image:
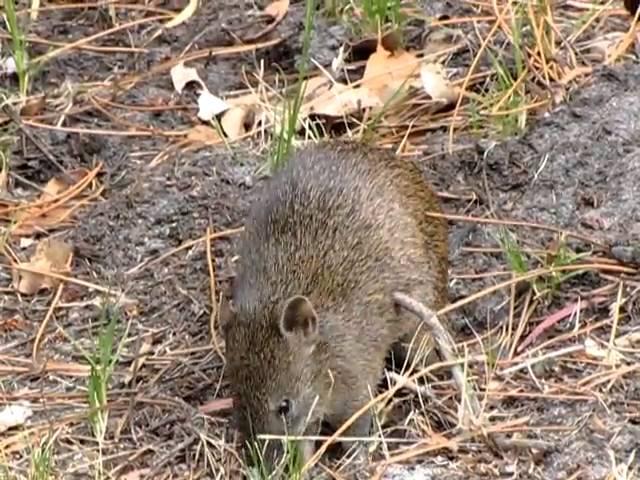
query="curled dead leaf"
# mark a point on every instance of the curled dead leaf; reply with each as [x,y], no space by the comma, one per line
[437,85]
[363,49]
[203,134]
[51,256]
[181,76]
[51,209]
[341,100]
[209,105]
[237,121]
[385,72]
[277,9]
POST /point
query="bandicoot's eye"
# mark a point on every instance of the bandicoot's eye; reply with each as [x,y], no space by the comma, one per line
[284,409]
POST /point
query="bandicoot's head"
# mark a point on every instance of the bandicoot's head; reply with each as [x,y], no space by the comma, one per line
[273,368]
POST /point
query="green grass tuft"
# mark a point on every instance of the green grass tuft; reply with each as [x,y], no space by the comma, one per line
[18,46]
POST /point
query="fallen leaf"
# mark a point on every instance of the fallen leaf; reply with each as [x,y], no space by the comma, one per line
[277,9]
[14,416]
[203,134]
[362,49]
[209,106]
[386,72]
[316,86]
[181,76]
[436,84]
[341,100]
[44,215]
[236,121]
[51,256]
[186,13]
[248,99]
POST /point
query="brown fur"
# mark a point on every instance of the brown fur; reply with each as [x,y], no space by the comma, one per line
[344,226]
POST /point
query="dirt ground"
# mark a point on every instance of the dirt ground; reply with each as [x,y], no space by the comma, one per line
[577,169]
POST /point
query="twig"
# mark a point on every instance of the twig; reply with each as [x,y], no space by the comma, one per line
[45,322]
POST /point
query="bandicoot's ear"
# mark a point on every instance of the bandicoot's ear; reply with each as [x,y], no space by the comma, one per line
[299,319]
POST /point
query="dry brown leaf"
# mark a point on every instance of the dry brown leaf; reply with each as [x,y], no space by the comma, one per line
[316,86]
[436,84]
[386,72]
[341,100]
[248,99]
[51,256]
[237,121]
[181,76]
[41,217]
[203,134]
[277,9]
[209,105]
[12,324]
